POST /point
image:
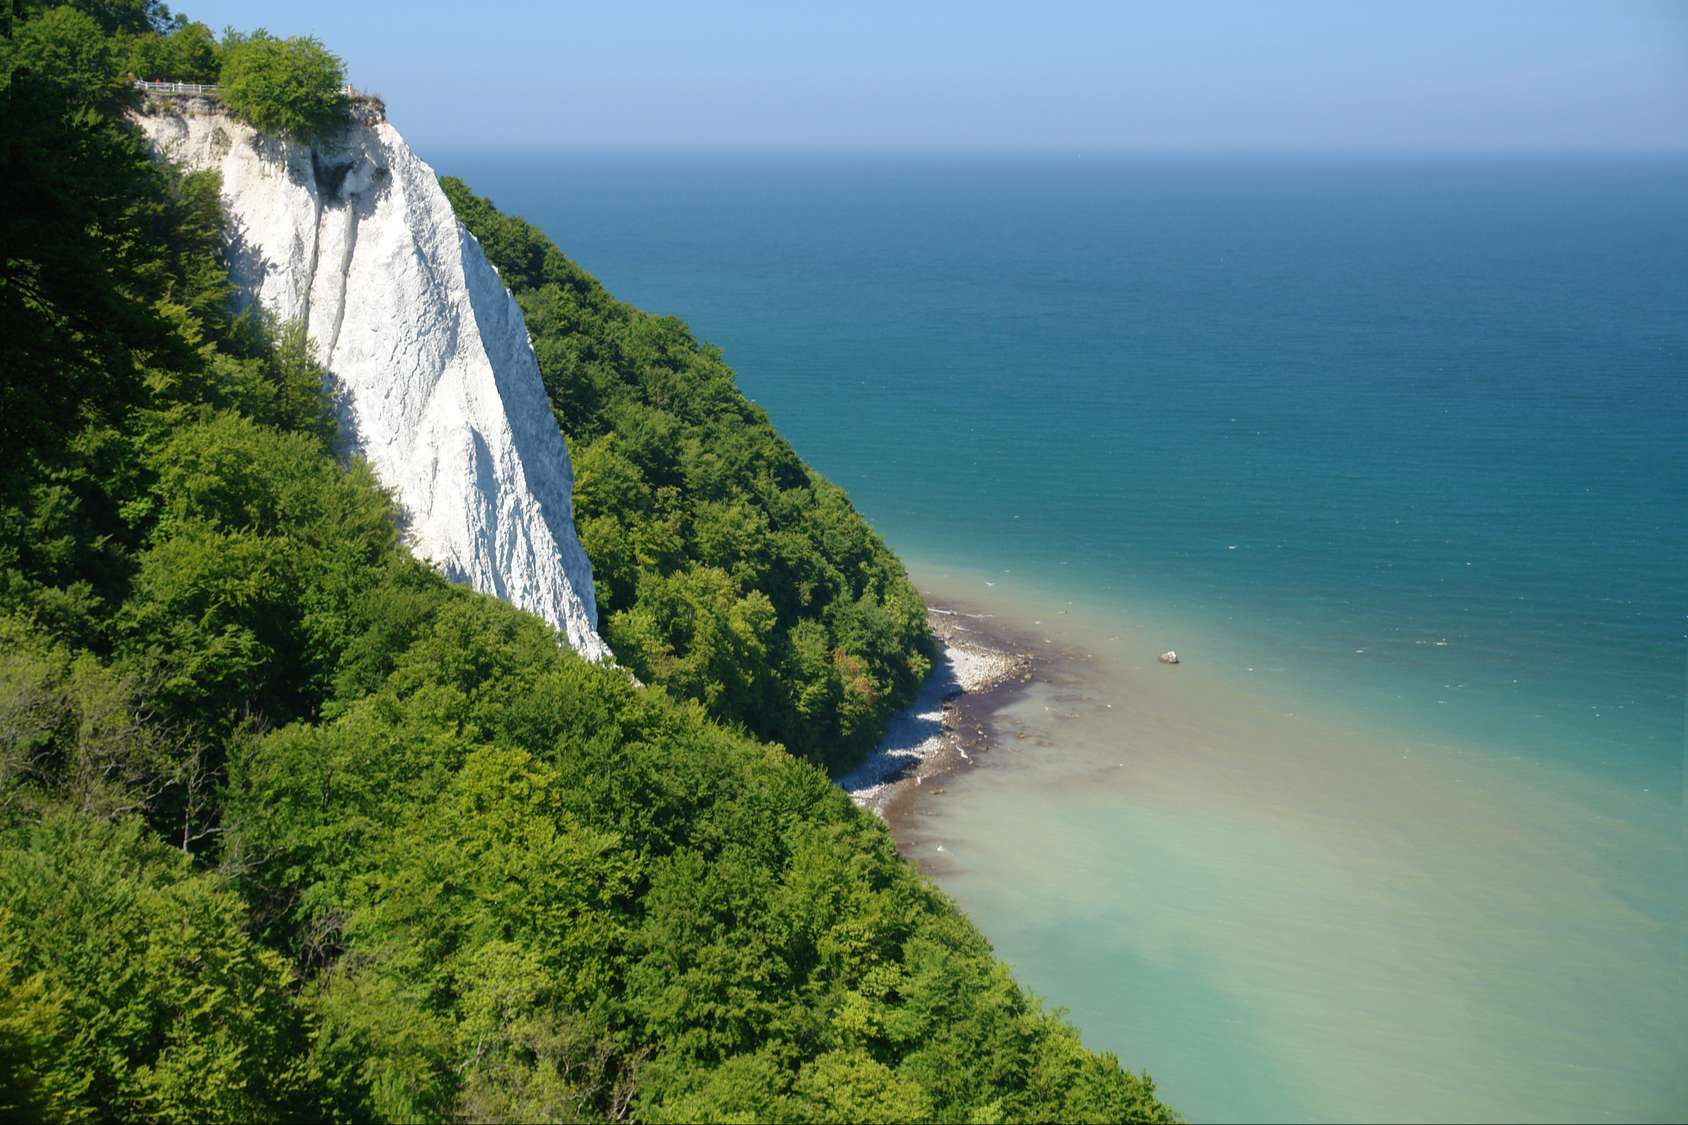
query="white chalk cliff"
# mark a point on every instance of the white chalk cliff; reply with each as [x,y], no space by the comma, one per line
[440,388]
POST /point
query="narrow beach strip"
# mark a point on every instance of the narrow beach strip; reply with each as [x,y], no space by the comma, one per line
[924,740]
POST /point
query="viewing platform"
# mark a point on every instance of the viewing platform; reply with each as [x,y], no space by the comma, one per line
[364,106]
[181,89]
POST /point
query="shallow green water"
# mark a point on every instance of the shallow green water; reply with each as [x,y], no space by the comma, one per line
[1287,912]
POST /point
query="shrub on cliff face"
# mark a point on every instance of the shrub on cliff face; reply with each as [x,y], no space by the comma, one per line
[290,86]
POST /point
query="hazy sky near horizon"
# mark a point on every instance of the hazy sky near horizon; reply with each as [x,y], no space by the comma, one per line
[1315,74]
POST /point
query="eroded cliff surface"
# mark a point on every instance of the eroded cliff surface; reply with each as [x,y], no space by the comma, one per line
[438,382]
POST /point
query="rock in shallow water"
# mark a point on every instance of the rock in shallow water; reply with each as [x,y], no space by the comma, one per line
[1168,657]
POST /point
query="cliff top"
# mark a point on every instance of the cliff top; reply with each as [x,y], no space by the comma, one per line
[205,97]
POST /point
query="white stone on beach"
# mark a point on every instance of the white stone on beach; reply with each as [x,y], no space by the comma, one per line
[1168,657]
[440,388]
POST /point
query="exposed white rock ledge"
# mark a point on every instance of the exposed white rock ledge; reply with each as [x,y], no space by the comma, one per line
[428,349]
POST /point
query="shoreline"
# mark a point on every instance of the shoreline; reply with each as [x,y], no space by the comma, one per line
[947,725]
[1163,850]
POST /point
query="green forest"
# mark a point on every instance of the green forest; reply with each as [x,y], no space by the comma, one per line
[292,828]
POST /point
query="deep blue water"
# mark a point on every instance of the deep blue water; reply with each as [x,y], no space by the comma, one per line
[1431,408]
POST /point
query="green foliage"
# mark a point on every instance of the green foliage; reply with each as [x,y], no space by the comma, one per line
[76,728]
[144,997]
[35,1037]
[726,569]
[68,52]
[117,18]
[83,207]
[184,52]
[292,828]
[288,85]
[611,896]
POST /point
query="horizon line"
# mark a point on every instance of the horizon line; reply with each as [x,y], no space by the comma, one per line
[1674,151]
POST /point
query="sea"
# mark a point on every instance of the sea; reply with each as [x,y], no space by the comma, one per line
[1392,449]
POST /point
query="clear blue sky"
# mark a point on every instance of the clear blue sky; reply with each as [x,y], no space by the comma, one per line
[1329,75]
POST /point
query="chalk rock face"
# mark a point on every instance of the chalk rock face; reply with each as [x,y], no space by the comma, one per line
[438,383]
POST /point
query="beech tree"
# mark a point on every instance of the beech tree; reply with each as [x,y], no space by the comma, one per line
[291,86]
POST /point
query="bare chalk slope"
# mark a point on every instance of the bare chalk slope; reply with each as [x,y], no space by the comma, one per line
[352,234]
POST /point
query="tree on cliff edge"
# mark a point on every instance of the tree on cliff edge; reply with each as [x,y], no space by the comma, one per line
[291,86]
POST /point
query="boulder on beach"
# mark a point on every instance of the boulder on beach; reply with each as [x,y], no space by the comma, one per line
[1168,657]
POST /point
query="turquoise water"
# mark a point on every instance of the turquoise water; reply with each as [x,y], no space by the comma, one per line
[1393,450]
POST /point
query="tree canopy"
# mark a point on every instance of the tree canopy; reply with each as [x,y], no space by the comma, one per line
[292,86]
[181,51]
